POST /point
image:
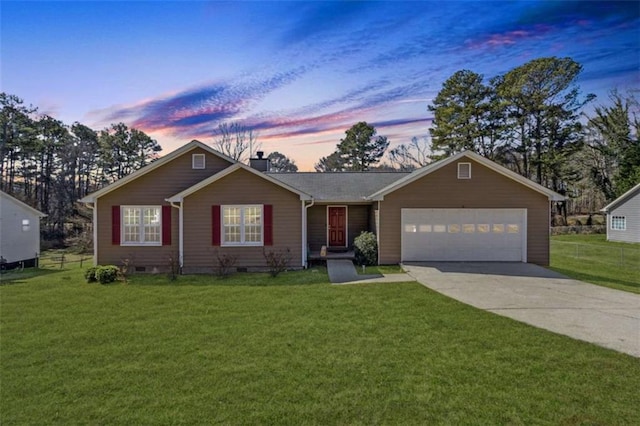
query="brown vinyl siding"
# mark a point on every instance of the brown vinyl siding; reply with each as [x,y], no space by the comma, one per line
[485,189]
[317,227]
[151,189]
[240,187]
[357,221]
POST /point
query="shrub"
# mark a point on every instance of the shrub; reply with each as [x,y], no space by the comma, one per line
[366,249]
[224,264]
[174,267]
[107,274]
[90,274]
[277,261]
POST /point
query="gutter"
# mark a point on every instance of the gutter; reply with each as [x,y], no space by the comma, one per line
[94,211]
[304,231]
[180,231]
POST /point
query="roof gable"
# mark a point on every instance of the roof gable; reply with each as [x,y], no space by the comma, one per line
[430,168]
[25,206]
[153,166]
[226,172]
[635,191]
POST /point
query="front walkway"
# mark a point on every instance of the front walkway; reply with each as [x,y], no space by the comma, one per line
[342,271]
[540,297]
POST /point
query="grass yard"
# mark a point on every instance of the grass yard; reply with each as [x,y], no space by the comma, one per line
[591,258]
[293,350]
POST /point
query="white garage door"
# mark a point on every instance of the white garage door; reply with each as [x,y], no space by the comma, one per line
[464,235]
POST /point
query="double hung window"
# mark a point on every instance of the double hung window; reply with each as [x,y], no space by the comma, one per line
[141,225]
[242,225]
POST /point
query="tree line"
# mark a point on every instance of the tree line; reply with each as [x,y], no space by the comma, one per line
[531,121]
[50,165]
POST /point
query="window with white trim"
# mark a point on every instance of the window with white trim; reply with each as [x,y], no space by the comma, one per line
[26,226]
[242,225]
[618,223]
[141,225]
[197,161]
[464,170]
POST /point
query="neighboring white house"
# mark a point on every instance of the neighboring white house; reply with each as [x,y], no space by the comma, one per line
[623,217]
[19,232]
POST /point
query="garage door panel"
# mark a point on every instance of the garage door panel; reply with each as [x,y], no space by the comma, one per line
[463,234]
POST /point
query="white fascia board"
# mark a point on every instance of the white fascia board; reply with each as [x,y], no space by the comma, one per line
[152,166]
[620,199]
[23,205]
[552,195]
[177,198]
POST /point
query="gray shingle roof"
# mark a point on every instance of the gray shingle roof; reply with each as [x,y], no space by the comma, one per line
[339,186]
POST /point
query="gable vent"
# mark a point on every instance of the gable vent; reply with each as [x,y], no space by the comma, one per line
[197,161]
[464,170]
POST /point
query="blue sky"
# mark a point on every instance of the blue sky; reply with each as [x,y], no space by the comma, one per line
[300,73]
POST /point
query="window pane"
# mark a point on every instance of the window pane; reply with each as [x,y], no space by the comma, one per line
[483,228]
[252,224]
[424,228]
[454,228]
[231,216]
[231,234]
[498,228]
[513,228]
[152,225]
[469,228]
[131,222]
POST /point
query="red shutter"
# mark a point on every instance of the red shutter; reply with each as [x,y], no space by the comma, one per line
[268,225]
[166,225]
[215,225]
[115,225]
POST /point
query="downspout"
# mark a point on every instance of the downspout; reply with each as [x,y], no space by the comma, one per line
[304,232]
[378,232]
[94,209]
[180,232]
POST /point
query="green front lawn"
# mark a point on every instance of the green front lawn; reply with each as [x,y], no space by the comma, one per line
[591,258]
[293,350]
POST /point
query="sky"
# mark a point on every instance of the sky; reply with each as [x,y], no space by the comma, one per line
[297,73]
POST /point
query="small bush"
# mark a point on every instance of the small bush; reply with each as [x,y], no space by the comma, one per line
[277,261]
[366,249]
[174,267]
[90,274]
[224,264]
[107,274]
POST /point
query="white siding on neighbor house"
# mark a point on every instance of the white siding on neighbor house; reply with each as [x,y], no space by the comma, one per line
[18,243]
[630,210]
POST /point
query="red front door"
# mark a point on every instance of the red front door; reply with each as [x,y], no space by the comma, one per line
[337,226]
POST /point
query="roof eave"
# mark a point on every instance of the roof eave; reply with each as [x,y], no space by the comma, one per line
[152,166]
[620,199]
[179,197]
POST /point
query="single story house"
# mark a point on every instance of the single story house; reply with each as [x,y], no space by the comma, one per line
[19,232]
[623,217]
[195,204]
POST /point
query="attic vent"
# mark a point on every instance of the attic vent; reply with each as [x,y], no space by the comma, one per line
[464,170]
[197,161]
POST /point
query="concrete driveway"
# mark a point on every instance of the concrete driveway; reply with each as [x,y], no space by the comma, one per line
[540,297]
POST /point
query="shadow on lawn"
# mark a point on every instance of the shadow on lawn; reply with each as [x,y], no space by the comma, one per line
[597,278]
[18,277]
[239,279]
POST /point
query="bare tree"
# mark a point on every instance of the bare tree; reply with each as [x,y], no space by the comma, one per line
[412,155]
[237,141]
